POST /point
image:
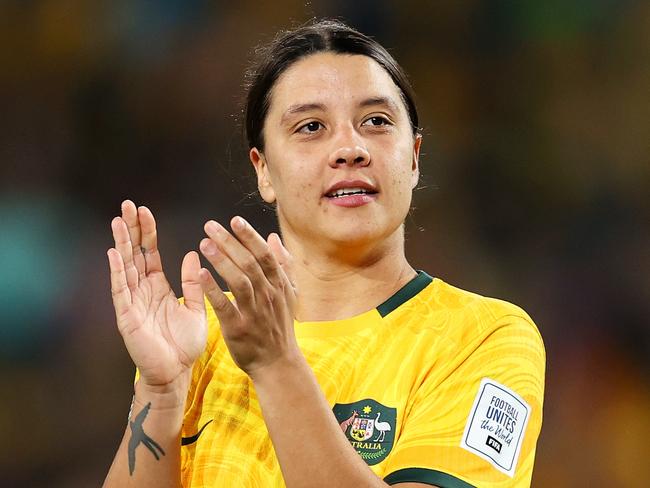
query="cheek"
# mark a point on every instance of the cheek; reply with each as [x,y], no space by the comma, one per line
[400,172]
[297,186]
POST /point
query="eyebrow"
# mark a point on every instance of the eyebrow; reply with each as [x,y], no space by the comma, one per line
[299,108]
[384,101]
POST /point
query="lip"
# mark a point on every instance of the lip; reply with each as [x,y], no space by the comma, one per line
[351,201]
[350,184]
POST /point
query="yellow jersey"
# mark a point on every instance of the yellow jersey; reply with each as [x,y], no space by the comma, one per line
[436,385]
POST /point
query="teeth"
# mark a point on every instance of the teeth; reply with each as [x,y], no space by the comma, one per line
[341,192]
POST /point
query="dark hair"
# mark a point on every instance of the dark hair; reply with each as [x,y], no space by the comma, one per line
[290,46]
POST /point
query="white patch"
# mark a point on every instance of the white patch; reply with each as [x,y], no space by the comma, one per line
[496,425]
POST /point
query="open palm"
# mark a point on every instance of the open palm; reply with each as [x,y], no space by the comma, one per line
[163,337]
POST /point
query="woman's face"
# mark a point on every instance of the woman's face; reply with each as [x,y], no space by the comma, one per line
[340,160]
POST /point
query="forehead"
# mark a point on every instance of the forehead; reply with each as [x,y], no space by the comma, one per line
[331,78]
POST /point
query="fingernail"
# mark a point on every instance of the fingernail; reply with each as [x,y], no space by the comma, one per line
[203,274]
[212,226]
[238,223]
[208,247]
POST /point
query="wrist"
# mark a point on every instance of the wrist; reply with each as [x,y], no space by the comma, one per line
[280,370]
[162,397]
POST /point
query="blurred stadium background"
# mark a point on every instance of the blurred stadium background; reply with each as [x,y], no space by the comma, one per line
[536,188]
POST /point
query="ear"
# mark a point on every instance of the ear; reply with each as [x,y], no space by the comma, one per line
[263,176]
[415,166]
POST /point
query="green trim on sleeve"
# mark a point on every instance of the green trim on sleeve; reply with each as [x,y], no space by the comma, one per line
[404,294]
[428,476]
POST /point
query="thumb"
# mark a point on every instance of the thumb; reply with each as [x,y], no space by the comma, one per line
[284,258]
[192,292]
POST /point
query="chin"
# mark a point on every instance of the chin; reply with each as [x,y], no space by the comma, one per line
[355,234]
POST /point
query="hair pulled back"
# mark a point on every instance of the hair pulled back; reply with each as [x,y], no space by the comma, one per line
[290,46]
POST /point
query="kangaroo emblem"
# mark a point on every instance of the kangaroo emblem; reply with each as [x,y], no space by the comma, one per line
[346,423]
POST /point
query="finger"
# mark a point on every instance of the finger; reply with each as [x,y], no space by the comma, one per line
[119,287]
[238,254]
[289,291]
[149,245]
[191,283]
[223,307]
[282,255]
[123,246]
[259,248]
[238,282]
[286,261]
[130,216]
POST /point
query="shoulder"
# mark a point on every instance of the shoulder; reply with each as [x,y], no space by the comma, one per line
[464,320]
[481,313]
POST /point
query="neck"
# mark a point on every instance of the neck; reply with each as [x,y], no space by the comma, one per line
[344,282]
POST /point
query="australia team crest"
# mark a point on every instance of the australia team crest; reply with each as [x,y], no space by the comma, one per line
[369,426]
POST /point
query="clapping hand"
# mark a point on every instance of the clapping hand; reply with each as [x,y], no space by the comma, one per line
[258,325]
[163,337]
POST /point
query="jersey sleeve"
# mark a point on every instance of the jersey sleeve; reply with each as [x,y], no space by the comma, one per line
[476,424]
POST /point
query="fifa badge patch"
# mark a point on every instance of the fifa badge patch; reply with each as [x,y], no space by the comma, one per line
[369,426]
[496,426]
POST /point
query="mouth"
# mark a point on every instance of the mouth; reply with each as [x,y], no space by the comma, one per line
[351,193]
[347,188]
[345,192]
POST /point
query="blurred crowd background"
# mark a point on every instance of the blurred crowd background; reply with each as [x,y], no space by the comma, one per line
[535,188]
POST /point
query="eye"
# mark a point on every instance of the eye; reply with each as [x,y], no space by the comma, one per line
[377,121]
[310,127]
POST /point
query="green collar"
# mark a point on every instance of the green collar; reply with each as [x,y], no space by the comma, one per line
[404,294]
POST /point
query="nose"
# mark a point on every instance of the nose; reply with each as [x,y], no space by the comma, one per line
[349,151]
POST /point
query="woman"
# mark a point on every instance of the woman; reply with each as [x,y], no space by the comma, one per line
[333,362]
